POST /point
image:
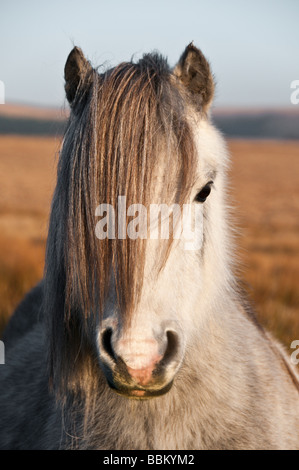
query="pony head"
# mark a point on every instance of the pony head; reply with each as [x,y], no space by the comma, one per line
[127,304]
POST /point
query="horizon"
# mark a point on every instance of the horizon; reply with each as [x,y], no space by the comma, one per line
[8,107]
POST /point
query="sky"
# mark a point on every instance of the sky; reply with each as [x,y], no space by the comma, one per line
[253,47]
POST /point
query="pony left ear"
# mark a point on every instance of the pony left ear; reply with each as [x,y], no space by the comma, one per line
[194,72]
[75,71]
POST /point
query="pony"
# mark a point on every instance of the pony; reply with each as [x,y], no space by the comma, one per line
[138,342]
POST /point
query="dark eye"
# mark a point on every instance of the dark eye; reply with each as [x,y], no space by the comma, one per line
[203,193]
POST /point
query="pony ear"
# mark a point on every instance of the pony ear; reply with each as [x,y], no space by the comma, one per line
[194,72]
[75,70]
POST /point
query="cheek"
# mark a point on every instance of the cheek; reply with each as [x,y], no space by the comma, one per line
[178,287]
[192,228]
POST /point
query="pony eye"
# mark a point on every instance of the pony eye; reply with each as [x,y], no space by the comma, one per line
[203,193]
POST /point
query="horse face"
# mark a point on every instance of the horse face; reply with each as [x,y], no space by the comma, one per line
[141,355]
[142,358]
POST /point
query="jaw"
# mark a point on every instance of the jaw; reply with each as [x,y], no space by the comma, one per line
[140,393]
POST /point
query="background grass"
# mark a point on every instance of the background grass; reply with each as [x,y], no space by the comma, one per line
[264,190]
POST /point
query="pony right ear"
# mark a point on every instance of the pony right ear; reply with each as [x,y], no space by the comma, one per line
[75,71]
[193,70]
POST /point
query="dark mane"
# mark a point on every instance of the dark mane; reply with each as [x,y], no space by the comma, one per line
[120,121]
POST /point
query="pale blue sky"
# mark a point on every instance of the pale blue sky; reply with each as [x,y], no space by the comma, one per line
[253,46]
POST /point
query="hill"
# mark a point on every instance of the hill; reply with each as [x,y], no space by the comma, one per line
[234,123]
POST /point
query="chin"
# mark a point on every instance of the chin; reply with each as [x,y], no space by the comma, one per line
[140,393]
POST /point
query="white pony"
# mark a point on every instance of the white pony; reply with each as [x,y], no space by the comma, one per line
[140,343]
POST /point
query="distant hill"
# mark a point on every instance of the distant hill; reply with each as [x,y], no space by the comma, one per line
[31,126]
[32,120]
[14,110]
[258,124]
[242,123]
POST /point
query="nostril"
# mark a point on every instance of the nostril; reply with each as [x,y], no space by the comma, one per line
[106,342]
[171,349]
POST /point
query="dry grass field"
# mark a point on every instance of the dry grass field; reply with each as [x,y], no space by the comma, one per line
[27,178]
[264,191]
